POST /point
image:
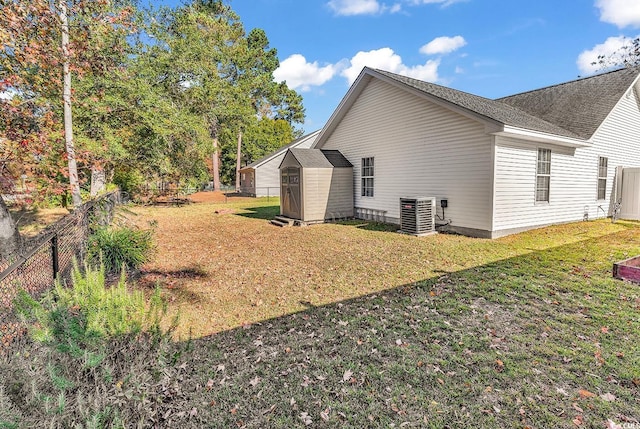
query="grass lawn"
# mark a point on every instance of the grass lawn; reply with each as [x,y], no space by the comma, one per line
[31,221]
[353,325]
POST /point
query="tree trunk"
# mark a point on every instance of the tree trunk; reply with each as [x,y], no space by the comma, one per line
[238,161]
[98,181]
[215,159]
[10,241]
[66,97]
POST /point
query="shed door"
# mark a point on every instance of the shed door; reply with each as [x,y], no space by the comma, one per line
[290,192]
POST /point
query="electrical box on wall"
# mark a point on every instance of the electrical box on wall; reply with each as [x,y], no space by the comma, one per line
[444,203]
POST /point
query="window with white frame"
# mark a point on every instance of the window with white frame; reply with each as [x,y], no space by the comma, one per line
[603,163]
[367,177]
[543,175]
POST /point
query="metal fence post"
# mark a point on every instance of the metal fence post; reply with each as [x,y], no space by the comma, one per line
[54,256]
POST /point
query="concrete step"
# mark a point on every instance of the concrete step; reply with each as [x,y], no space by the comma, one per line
[284,220]
[278,223]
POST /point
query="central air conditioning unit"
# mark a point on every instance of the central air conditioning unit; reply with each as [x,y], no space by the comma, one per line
[418,215]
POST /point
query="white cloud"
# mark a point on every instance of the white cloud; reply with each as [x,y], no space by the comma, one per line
[387,59]
[443,45]
[459,70]
[611,49]
[444,3]
[301,74]
[622,13]
[375,7]
[355,7]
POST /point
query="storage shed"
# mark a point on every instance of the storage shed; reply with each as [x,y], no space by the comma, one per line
[316,185]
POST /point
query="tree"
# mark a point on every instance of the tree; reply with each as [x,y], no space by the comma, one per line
[267,99]
[627,56]
[10,241]
[39,53]
[66,101]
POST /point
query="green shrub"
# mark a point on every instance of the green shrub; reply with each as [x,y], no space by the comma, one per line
[79,317]
[115,247]
[97,359]
[128,180]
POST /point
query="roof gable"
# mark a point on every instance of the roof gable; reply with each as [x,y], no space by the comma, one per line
[483,107]
[566,114]
[579,106]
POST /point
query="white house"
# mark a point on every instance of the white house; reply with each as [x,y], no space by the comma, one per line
[262,177]
[507,165]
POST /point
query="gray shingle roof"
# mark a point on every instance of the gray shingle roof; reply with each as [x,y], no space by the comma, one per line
[579,106]
[318,158]
[527,111]
[336,158]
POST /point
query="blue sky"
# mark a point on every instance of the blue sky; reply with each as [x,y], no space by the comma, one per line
[490,48]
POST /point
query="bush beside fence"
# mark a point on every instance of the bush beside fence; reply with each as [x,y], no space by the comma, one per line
[49,256]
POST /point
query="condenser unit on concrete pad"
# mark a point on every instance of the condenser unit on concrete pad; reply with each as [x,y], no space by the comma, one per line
[418,215]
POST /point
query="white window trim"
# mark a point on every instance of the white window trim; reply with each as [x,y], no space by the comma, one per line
[364,178]
[538,174]
[605,178]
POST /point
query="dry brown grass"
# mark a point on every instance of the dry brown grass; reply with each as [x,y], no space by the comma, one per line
[223,265]
[444,331]
[31,221]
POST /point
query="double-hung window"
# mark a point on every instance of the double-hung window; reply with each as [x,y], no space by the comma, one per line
[543,175]
[602,177]
[367,177]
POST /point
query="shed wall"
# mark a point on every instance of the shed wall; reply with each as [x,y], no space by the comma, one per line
[340,202]
[419,148]
[316,183]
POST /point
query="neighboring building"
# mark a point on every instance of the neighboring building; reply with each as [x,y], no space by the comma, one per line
[507,165]
[262,178]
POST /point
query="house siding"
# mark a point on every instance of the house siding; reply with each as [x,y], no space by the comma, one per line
[267,181]
[574,173]
[420,149]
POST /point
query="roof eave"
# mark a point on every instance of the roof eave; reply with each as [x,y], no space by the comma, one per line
[540,137]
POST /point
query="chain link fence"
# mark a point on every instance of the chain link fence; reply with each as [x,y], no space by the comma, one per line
[49,256]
